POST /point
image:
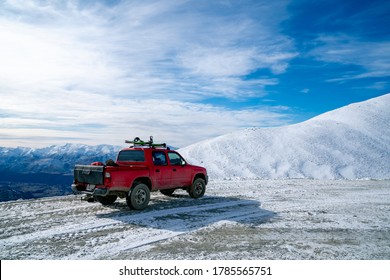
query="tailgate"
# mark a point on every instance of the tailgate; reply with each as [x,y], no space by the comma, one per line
[90,174]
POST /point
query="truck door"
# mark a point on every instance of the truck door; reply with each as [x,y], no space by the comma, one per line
[181,173]
[162,171]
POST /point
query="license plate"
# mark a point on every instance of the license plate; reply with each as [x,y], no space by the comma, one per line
[91,187]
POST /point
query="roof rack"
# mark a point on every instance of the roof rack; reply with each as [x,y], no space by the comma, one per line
[137,142]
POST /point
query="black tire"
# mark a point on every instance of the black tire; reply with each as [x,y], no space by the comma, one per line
[138,197]
[106,200]
[198,188]
[167,192]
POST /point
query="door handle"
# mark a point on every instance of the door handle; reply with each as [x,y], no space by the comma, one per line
[157,170]
[174,169]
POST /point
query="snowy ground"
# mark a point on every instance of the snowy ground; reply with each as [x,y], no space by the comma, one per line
[256,219]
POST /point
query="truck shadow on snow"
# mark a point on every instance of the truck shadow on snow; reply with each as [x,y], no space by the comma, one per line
[182,214]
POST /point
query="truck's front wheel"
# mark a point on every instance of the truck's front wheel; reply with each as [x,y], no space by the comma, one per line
[198,188]
[138,197]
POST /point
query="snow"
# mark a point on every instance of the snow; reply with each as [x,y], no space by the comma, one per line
[237,219]
[241,216]
[352,142]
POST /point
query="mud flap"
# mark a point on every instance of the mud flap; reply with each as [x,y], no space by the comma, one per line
[88,198]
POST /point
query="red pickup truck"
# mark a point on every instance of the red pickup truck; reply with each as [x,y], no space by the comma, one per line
[137,171]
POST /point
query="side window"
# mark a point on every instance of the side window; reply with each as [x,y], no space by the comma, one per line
[175,159]
[159,158]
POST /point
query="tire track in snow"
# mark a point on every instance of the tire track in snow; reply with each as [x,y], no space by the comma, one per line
[150,226]
[152,232]
[315,220]
[96,223]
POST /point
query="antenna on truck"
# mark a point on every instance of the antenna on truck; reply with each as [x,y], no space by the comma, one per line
[137,142]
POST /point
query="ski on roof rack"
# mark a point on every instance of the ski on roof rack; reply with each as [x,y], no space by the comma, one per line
[138,142]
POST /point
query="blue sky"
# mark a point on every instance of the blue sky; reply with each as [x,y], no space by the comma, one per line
[103,71]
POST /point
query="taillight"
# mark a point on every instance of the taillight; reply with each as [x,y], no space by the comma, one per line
[107,178]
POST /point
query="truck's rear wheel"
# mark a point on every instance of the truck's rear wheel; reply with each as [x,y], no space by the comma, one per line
[106,200]
[138,197]
[198,188]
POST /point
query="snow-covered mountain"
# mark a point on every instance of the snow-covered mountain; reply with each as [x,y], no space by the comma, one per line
[53,159]
[352,142]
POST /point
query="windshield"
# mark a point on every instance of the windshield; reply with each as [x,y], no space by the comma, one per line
[175,159]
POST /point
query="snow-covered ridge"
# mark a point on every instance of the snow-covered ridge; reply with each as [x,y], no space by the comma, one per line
[352,142]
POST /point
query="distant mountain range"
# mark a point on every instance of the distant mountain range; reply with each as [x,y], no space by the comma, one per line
[352,142]
[32,173]
[53,159]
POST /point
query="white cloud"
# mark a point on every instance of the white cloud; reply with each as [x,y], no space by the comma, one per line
[91,118]
[373,57]
[34,58]
[219,63]
[91,71]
